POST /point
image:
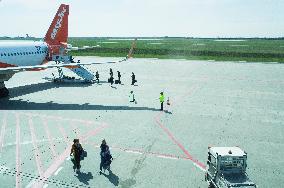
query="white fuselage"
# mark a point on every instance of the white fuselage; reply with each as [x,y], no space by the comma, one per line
[23,53]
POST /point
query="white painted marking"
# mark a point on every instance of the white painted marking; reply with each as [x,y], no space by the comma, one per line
[167,157]
[31,183]
[202,169]
[45,186]
[58,170]
[30,142]
[136,152]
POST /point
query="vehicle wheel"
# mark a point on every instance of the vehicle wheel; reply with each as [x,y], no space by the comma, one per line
[211,185]
[4,92]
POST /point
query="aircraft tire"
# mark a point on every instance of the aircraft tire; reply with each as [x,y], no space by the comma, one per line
[4,92]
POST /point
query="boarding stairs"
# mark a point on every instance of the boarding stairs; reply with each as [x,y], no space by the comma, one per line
[82,72]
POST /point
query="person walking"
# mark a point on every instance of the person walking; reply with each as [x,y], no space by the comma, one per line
[104,150]
[119,76]
[133,79]
[111,80]
[97,77]
[76,151]
[162,99]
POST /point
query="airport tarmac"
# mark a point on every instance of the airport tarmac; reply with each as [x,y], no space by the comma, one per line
[212,104]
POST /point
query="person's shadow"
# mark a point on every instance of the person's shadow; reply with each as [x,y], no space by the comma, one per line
[84,177]
[114,179]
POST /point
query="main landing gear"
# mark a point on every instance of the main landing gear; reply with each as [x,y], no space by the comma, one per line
[4,92]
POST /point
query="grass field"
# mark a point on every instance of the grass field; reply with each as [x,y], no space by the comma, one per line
[251,50]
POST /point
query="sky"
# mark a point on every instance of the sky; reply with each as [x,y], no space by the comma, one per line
[147,18]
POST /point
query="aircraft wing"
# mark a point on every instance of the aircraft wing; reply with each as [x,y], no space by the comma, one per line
[46,66]
[11,70]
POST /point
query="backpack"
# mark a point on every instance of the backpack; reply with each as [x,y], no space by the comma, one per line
[107,159]
[78,150]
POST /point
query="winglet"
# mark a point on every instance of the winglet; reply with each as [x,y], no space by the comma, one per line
[130,53]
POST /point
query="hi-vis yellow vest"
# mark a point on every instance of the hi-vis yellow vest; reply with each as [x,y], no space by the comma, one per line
[162,98]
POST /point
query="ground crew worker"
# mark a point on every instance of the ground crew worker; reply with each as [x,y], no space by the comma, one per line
[162,99]
[97,77]
[133,79]
[76,150]
[132,97]
[110,72]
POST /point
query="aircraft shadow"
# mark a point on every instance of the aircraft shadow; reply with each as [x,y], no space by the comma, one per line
[7,104]
[33,88]
[20,104]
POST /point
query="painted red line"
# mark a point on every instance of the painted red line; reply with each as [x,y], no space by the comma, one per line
[18,154]
[3,129]
[171,136]
[149,153]
[36,151]
[60,159]
[93,132]
[180,145]
[140,151]
[50,139]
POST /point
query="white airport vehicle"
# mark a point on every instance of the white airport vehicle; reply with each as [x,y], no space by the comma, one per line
[17,56]
[226,167]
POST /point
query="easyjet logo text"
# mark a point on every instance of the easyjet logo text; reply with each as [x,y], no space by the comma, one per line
[58,23]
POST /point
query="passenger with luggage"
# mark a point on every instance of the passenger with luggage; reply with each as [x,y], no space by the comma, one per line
[111,80]
[97,77]
[133,79]
[119,76]
[76,151]
[106,157]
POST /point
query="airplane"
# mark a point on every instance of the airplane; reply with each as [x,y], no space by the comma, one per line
[20,56]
